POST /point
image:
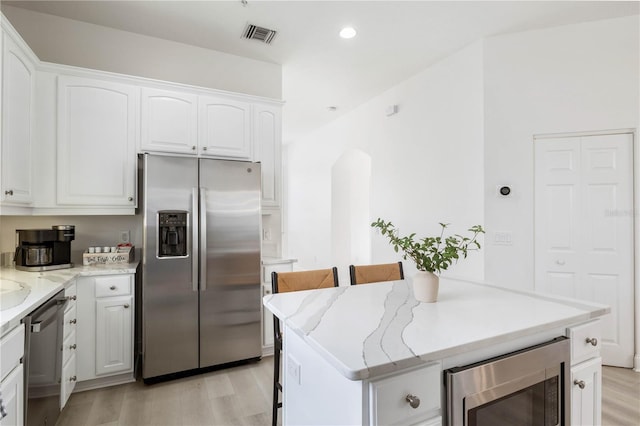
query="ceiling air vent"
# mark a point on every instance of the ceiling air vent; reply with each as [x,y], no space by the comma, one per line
[254,32]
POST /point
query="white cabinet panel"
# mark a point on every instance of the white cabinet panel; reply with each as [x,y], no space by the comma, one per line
[96,142]
[68,381]
[169,121]
[18,82]
[224,128]
[586,393]
[114,335]
[267,141]
[12,397]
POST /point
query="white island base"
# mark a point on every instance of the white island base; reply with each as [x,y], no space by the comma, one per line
[352,355]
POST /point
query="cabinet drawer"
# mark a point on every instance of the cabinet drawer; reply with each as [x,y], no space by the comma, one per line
[70,320]
[113,286]
[11,350]
[585,341]
[68,381]
[388,396]
[68,347]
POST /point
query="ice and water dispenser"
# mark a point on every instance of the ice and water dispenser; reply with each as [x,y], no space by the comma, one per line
[172,233]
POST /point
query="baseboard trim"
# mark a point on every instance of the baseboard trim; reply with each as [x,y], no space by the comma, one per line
[104,382]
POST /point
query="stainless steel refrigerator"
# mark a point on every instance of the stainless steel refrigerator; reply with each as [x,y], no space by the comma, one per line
[200,294]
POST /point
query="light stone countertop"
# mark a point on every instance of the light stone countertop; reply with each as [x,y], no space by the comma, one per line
[37,287]
[373,329]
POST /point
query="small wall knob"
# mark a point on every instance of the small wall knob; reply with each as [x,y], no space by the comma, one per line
[413,401]
[126,306]
[193,148]
[580,383]
[130,198]
[113,287]
[9,192]
[592,340]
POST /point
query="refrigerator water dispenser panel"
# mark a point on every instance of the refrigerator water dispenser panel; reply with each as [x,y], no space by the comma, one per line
[172,233]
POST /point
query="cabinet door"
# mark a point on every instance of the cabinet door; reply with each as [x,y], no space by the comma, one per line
[114,335]
[267,142]
[224,128]
[18,77]
[96,142]
[169,121]
[13,397]
[586,393]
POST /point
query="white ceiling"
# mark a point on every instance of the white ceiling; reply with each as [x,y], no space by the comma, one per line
[396,39]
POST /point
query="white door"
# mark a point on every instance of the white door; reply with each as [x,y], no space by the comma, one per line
[584,230]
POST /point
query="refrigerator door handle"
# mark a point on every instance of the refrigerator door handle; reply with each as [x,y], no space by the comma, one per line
[195,248]
[203,238]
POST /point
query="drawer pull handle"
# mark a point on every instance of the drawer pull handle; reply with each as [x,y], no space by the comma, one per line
[73,378]
[73,321]
[413,401]
[126,306]
[580,383]
[72,346]
[113,287]
[592,340]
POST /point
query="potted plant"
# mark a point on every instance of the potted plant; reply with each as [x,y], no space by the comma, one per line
[432,255]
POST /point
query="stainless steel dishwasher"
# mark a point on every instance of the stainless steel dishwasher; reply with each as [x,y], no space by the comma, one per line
[43,362]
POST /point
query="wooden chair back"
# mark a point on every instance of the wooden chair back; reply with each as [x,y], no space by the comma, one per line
[364,274]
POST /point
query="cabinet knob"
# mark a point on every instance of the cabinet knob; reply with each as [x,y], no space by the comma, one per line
[204,148]
[73,297]
[130,198]
[193,148]
[592,340]
[9,192]
[73,378]
[413,401]
[73,321]
[580,383]
[72,346]
[113,287]
[126,306]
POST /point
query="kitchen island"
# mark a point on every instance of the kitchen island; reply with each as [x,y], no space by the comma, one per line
[348,349]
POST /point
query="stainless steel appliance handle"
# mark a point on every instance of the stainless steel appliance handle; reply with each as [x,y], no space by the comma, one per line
[203,238]
[48,316]
[195,248]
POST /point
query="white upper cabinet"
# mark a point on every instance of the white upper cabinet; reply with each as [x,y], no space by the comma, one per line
[169,121]
[18,82]
[268,134]
[224,128]
[96,142]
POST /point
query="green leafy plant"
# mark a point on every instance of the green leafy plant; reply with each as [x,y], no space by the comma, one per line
[433,254]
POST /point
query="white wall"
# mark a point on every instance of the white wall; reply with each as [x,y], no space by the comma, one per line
[66,41]
[566,79]
[426,164]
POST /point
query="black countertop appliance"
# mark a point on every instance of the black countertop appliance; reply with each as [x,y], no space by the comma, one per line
[44,249]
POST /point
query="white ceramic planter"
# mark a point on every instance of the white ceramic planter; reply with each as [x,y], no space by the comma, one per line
[425,286]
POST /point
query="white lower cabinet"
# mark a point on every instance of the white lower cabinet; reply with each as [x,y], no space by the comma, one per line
[114,334]
[586,374]
[586,393]
[12,389]
[69,345]
[105,326]
[12,376]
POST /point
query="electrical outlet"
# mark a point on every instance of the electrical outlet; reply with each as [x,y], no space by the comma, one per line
[125,237]
[293,368]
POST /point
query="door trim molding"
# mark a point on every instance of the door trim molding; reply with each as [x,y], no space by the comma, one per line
[586,133]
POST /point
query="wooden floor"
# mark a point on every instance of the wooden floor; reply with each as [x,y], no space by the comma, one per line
[242,396]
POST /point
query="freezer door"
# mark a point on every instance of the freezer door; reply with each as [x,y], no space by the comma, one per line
[230,261]
[169,286]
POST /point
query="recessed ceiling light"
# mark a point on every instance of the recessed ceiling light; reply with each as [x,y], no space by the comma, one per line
[347,32]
